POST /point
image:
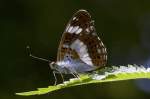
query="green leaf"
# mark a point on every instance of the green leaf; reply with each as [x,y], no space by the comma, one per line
[107,74]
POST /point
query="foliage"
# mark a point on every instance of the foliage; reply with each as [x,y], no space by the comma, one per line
[106,74]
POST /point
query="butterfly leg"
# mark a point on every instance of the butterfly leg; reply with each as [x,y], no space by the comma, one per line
[61,76]
[75,75]
[54,73]
[73,72]
[78,75]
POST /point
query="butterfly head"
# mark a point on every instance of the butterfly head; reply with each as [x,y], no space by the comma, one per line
[60,67]
[53,66]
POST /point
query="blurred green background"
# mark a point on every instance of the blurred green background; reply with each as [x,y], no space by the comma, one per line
[123,25]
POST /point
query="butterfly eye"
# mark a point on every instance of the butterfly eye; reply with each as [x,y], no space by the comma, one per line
[52,65]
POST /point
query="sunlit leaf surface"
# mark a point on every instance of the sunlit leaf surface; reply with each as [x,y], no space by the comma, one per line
[107,74]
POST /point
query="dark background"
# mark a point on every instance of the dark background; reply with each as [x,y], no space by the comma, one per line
[123,25]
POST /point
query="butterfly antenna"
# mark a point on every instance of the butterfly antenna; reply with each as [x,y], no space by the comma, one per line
[35,57]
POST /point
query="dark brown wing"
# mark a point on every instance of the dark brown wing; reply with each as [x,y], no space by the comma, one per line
[80,41]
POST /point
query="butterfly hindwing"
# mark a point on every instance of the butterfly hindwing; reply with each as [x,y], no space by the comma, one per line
[80,41]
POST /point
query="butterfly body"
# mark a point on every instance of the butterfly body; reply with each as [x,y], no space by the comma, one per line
[80,49]
[72,66]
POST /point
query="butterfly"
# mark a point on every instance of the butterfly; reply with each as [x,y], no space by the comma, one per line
[80,49]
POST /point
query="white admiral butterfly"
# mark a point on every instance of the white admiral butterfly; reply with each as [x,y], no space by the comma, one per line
[80,49]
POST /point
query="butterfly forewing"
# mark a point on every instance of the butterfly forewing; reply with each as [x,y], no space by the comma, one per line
[80,41]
